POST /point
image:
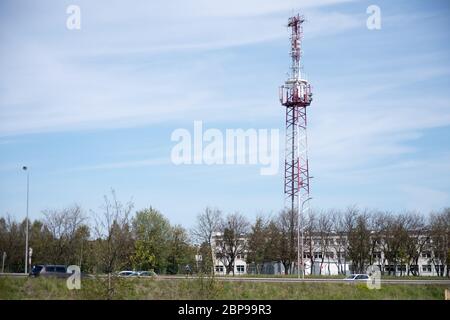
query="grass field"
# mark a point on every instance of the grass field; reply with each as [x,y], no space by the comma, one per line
[205,288]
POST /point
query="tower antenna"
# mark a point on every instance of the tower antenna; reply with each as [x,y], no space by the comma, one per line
[295,96]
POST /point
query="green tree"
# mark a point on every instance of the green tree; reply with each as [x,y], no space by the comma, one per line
[143,258]
[181,253]
[257,244]
[152,233]
[41,241]
[12,242]
[206,265]
[359,244]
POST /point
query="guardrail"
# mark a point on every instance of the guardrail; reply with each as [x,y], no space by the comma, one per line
[13,274]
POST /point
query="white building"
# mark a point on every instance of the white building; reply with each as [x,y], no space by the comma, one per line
[328,258]
[220,263]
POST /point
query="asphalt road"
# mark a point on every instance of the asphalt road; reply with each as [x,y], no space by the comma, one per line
[282,280]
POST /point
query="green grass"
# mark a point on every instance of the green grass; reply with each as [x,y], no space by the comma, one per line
[205,288]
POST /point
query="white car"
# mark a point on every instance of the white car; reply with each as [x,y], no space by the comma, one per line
[127,274]
[146,274]
[357,277]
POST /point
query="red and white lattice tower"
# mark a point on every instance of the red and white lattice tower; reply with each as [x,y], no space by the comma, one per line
[296,95]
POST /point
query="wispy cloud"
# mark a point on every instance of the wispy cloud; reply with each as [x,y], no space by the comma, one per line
[122,165]
[169,62]
[100,77]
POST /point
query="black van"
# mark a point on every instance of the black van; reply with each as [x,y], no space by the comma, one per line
[49,270]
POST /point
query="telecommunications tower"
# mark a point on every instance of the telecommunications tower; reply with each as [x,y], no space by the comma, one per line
[295,96]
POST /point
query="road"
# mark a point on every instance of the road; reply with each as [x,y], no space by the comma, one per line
[283,280]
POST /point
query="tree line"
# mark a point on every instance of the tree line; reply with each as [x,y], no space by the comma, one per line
[114,239]
[354,239]
[117,237]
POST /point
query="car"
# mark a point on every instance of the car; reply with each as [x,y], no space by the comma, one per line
[49,270]
[146,274]
[357,277]
[126,274]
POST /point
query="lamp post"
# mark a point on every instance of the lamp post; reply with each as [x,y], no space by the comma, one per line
[300,254]
[26,223]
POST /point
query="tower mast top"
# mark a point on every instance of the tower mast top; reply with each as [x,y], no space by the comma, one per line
[295,23]
[296,90]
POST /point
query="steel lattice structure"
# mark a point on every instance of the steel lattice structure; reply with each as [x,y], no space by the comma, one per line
[296,95]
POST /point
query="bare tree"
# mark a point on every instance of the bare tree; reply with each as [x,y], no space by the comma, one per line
[395,237]
[377,221]
[341,241]
[417,237]
[114,243]
[383,221]
[324,224]
[232,241]
[310,231]
[348,223]
[64,226]
[440,236]
[358,240]
[288,221]
[208,222]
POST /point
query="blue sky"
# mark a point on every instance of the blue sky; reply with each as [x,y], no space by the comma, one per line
[93,109]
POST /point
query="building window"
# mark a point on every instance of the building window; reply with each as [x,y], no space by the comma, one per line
[341,255]
[439,268]
[306,255]
[219,268]
[401,268]
[414,268]
[318,255]
[426,254]
[330,255]
[240,268]
[426,268]
[390,268]
[376,255]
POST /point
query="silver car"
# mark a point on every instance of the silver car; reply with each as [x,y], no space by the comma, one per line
[357,277]
[146,274]
[127,274]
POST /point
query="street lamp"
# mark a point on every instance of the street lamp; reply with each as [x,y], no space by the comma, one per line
[298,242]
[24,168]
